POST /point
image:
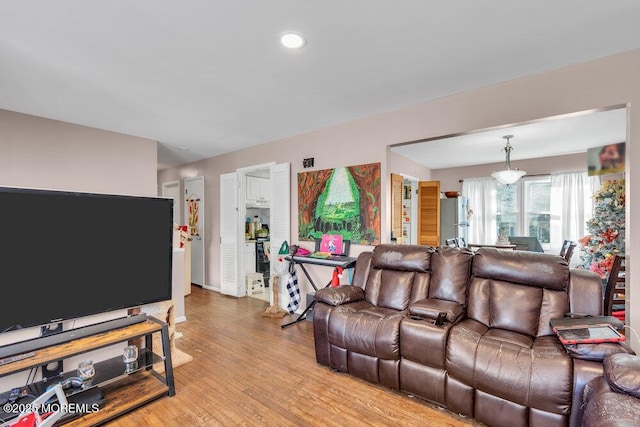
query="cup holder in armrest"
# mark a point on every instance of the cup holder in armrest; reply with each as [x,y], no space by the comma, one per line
[438,322]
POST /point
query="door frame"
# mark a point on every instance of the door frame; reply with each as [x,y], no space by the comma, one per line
[241,206]
[242,213]
[202,221]
[177,203]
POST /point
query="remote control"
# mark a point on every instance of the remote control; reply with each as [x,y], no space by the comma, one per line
[17,357]
[442,316]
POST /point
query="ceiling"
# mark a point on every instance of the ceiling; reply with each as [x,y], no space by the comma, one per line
[206,77]
[551,137]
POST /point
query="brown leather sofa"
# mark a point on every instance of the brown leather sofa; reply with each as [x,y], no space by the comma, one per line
[494,358]
[613,399]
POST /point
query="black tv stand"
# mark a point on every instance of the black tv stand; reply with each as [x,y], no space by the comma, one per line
[70,335]
[124,388]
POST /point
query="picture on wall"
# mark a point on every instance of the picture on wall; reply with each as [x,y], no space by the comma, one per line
[606,159]
[194,215]
[344,201]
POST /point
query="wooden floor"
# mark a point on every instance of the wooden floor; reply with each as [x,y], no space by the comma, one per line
[248,371]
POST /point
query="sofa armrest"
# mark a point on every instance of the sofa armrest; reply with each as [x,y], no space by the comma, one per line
[429,308]
[597,351]
[623,373]
[343,294]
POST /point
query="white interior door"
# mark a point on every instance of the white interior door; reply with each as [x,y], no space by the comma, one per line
[280,227]
[194,191]
[229,232]
[172,190]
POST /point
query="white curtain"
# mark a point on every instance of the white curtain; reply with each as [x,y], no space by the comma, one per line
[571,207]
[483,202]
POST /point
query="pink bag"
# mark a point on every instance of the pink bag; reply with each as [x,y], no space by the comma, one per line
[303,252]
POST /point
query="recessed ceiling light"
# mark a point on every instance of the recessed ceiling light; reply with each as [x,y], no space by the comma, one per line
[292,40]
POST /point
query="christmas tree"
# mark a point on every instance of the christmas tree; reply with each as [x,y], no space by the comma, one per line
[606,229]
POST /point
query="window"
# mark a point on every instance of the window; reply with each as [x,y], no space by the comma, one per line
[507,218]
[524,209]
[537,218]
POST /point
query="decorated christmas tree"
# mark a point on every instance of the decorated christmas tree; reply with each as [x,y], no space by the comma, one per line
[606,229]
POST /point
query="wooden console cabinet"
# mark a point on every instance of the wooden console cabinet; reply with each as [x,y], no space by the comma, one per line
[122,391]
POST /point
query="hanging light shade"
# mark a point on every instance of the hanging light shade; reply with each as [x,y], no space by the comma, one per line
[508,175]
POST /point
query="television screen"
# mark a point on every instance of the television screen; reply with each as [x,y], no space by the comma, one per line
[65,255]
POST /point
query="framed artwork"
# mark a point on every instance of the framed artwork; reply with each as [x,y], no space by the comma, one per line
[606,159]
[342,201]
[193,204]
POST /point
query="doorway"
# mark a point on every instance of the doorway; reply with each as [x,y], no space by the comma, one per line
[404,209]
[259,193]
[171,190]
[194,214]
[257,239]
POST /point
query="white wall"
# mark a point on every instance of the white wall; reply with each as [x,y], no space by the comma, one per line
[605,82]
[45,153]
[42,153]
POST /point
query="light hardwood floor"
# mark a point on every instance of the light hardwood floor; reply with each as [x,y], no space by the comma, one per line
[248,371]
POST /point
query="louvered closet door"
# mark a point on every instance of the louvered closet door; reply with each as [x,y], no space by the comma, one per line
[280,227]
[429,213]
[397,186]
[229,235]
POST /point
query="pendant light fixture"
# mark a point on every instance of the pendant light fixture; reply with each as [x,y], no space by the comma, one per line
[508,175]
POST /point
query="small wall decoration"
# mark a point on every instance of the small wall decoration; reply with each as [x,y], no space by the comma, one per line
[606,159]
[194,219]
[344,201]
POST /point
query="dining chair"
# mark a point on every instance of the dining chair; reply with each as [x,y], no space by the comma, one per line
[615,291]
[567,249]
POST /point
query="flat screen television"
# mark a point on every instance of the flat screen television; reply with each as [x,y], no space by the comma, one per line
[65,255]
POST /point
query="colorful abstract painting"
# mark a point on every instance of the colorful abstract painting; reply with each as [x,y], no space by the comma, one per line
[344,201]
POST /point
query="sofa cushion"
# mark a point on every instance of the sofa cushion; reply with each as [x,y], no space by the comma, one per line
[518,308]
[343,294]
[597,352]
[515,307]
[523,267]
[505,305]
[398,275]
[623,373]
[530,371]
[402,258]
[430,308]
[389,288]
[370,333]
[450,272]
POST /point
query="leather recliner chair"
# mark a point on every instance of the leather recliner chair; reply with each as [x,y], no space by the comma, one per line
[613,399]
[357,328]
